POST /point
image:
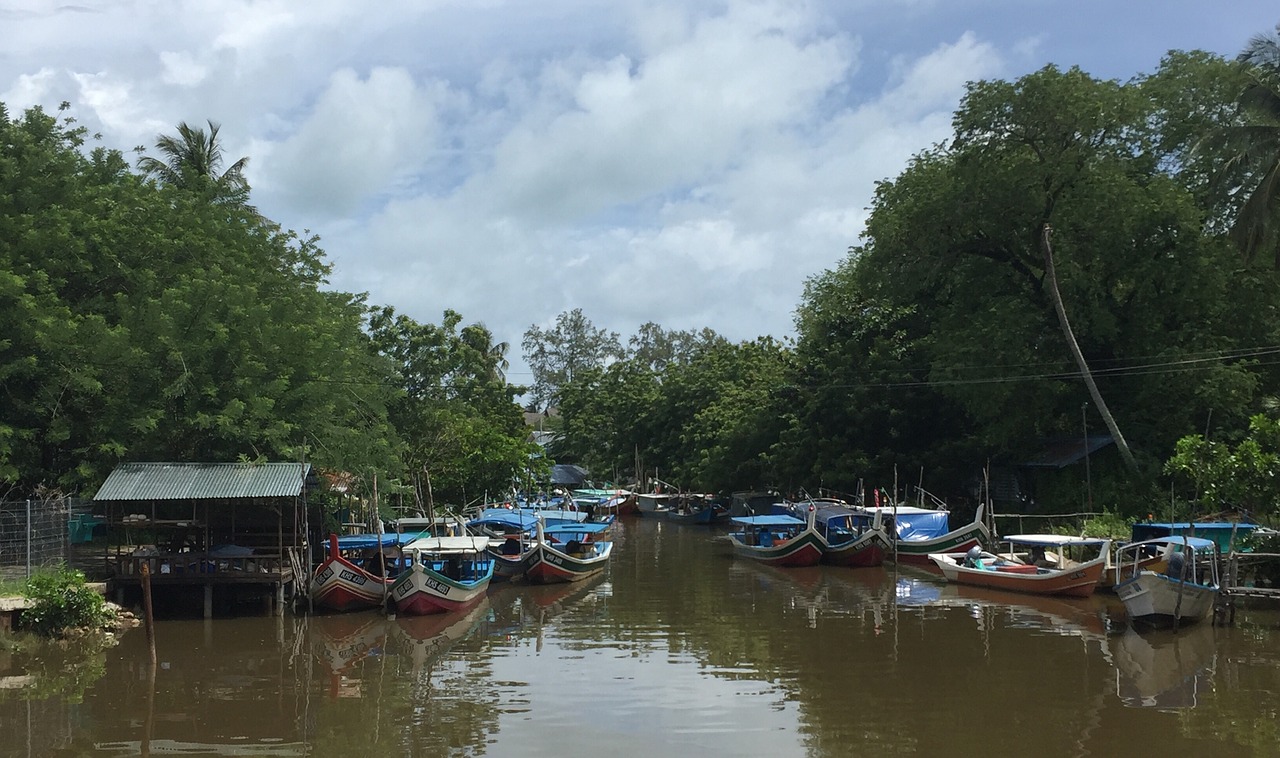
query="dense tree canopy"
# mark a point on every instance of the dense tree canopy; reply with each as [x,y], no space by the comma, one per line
[934,347]
[165,319]
[161,321]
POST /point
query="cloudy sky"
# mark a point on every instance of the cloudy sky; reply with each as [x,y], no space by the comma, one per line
[688,162]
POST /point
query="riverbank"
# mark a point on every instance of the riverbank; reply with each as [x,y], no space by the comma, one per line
[118,620]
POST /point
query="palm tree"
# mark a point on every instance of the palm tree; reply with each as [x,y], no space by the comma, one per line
[1252,170]
[492,355]
[192,159]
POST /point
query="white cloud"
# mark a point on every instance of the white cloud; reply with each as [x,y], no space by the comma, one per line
[363,139]
[182,69]
[688,163]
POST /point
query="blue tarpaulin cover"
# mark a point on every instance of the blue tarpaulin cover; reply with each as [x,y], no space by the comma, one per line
[922,525]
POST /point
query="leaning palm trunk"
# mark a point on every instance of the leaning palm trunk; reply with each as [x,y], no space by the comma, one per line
[1051,278]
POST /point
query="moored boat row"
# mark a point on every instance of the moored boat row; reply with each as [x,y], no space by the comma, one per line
[449,573]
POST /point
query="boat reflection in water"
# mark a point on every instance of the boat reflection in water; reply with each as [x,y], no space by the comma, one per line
[799,588]
[342,641]
[1164,669]
[424,639]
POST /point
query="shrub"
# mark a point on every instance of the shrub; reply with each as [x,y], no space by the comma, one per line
[1109,525]
[61,600]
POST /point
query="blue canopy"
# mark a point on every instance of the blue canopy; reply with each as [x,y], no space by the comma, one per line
[772,520]
[506,518]
[586,527]
[370,541]
[1195,543]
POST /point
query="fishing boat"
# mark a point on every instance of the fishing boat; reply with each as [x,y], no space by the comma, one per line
[1040,564]
[356,572]
[1152,559]
[654,502]
[777,539]
[601,502]
[1186,591]
[694,509]
[443,575]
[917,532]
[850,536]
[567,553]
[513,538]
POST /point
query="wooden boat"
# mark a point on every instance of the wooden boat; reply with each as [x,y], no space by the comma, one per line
[600,502]
[694,509]
[918,532]
[1186,591]
[567,553]
[1151,560]
[352,576]
[653,502]
[851,536]
[444,575]
[777,540]
[1040,564]
[513,537]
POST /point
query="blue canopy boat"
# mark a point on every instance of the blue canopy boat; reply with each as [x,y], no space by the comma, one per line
[777,540]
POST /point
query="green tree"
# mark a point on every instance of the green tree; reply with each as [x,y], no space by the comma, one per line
[1217,476]
[953,277]
[654,347]
[193,160]
[462,432]
[154,325]
[556,355]
[1255,163]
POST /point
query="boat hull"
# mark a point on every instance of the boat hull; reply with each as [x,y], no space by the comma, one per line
[701,516]
[916,552]
[804,549]
[1077,581]
[508,567]
[339,585]
[547,565]
[866,550]
[1153,599]
[420,591]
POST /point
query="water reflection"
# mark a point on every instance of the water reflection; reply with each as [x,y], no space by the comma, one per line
[1164,669]
[681,649]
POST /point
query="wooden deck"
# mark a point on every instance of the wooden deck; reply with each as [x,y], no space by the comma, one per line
[203,568]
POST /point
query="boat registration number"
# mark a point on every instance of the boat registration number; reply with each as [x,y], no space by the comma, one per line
[351,576]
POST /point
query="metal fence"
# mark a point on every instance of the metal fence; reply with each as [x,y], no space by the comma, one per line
[33,535]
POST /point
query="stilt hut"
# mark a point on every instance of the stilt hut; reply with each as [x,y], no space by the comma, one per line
[239,527]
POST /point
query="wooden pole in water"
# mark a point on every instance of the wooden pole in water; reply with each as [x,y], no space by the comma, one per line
[148,618]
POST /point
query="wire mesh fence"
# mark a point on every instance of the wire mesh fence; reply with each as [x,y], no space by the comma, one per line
[33,535]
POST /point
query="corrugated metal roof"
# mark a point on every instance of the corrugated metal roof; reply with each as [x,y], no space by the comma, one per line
[203,481]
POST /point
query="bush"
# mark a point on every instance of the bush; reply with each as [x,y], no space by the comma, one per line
[60,601]
[1109,525]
